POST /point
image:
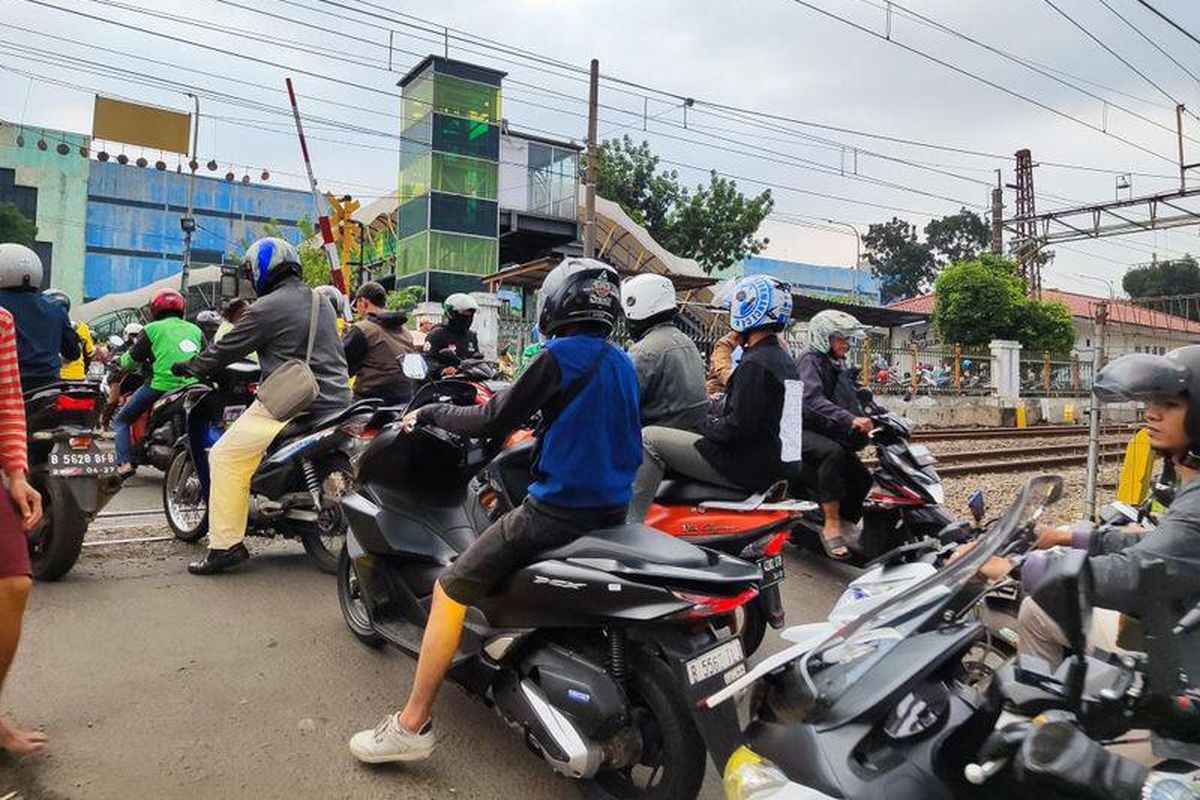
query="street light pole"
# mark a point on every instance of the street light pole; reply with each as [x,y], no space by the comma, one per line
[1112,294]
[857,250]
[188,223]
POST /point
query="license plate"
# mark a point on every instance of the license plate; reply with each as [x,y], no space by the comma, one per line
[772,570]
[66,460]
[230,414]
[726,660]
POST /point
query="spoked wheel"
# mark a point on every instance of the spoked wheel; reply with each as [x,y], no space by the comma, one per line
[354,610]
[324,540]
[671,764]
[184,501]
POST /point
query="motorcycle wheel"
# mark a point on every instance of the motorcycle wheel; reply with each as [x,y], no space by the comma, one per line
[354,610]
[750,625]
[672,763]
[184,503]
[324,540]
[55,546]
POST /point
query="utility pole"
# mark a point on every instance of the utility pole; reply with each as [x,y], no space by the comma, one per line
[998,216]
[589,203]
[188,223]
[1092,479]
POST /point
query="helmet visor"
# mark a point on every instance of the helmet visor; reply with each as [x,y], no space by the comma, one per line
[1141,377]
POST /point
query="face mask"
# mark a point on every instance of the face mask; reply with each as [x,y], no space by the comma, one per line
[459,323]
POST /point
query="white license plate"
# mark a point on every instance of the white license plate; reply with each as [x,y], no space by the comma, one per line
[715,661]
[92,461]
[772,570]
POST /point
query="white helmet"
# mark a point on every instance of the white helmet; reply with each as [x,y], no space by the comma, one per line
[132,331]
[19,267]
[460,303]
[829,323]
[644,296]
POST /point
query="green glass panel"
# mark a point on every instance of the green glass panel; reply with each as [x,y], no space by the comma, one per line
[413,254]
[463,98]
[452,252]
[416,101]
[414,216]
[457,214]
[467,137]
[414,178]
[465,176]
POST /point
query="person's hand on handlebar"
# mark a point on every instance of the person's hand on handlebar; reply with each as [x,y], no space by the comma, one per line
[183,369]
[863,425]
[409,421]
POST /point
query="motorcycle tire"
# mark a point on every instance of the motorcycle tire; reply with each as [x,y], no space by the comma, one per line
[354,611]
[750,625]
[56,546]
[672,750]
[178,471]
[324,542]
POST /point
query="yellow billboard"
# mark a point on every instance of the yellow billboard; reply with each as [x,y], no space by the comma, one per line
[144,126]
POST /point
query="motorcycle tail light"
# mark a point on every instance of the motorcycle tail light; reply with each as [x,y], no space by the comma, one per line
[488,498]
[80,442]
[64,402]
[775,545]
[712,605]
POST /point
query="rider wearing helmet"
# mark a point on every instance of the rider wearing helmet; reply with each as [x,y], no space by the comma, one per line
[669,367]
[45,338]
[76,369]
[208,321]
[276,327]
[588,450]
[834,428]
[338,301]
[1169,386]
[453,341]
[757,430]
[163,343]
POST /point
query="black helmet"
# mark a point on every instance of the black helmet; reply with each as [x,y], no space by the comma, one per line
[579,290]
[1143,377]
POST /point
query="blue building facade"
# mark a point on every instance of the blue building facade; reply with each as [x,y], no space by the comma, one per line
[817,279]
[132,235]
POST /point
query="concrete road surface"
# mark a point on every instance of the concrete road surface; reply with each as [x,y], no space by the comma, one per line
[154,683]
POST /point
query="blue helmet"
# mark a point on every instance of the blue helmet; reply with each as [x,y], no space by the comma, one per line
[759,301]
[267,258]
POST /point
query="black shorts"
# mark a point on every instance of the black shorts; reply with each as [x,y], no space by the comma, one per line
[515,540]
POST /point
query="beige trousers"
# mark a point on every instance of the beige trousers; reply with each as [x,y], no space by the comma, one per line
[1039,635]
[231,464]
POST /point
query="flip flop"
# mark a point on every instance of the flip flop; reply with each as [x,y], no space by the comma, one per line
[832,545]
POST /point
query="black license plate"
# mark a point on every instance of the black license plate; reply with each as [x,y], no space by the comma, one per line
[90,460]
[772,570]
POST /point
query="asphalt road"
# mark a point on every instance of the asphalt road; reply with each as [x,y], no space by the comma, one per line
[154,683]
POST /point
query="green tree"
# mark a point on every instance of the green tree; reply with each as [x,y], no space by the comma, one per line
[1046,326]
[405,298]
[903,265]
[713,223]
[1178,276]
[15,226]
[958,237]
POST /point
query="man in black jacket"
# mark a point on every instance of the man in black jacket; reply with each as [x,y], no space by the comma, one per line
[453,342]
[758,430]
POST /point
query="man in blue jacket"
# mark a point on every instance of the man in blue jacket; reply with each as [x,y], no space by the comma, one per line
[45,336]
[589,448]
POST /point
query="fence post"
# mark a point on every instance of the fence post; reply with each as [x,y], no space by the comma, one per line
[1076,383]
[1046,371]
[916,365]
[958,369]
[866,361]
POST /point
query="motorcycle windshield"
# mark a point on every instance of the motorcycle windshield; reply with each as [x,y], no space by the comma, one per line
[837,664]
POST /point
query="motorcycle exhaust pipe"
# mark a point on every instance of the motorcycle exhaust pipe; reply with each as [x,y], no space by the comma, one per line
[552,734]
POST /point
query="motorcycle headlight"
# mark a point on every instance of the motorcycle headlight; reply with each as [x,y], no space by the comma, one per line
[749,776]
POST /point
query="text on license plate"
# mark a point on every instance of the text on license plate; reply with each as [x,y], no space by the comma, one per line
[772,569]
[101,460]
[715,661]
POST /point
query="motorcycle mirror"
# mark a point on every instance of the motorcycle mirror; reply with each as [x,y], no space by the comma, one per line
[977,505]
[1065,593]
[413,366]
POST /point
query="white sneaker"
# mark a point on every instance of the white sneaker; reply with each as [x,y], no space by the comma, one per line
[390,741]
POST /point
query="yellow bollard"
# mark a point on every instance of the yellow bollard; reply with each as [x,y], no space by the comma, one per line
[1021,416]
[1134,483]
[1069,413]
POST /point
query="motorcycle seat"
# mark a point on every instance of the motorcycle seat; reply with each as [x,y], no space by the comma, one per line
[689,492]
[632,545]
[307,423]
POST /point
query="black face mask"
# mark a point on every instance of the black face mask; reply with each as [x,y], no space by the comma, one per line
[460,323]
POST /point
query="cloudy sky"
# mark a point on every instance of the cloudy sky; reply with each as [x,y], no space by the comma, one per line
[782,66]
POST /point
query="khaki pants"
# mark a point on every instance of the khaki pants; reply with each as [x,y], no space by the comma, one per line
[231,464]
[663,449]
[1039,635]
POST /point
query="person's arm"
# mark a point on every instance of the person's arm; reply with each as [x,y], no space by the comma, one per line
[14,458]
[720,363]
[247,336]
[646,365]
[507,410]
[816,404]
[140,353]
[69,347]
[742,411]
[1176,542]
[473,345]
[354,343]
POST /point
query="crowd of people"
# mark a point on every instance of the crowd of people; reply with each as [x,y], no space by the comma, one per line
[612,424]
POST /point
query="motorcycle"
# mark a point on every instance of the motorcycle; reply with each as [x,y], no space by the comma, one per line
[295,490]
[75,477]
[875,709]
[905,500]
[595,652]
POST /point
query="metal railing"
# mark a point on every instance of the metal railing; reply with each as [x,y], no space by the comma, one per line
[918,370]
[1056,374]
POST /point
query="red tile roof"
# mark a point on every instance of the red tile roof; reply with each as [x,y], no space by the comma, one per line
[1083,305]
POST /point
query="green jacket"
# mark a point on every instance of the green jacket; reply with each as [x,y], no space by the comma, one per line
[164,343]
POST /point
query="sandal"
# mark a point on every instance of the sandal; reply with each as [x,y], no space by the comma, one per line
[833,544]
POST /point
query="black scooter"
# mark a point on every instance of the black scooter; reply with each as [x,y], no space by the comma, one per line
[596,652]
[75,477]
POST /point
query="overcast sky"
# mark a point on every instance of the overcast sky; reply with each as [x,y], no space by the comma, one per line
[770,56]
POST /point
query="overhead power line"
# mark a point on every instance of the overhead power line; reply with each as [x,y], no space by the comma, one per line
[1170,21]
[1152,43]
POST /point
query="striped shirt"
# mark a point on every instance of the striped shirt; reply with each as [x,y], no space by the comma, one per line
[12,404]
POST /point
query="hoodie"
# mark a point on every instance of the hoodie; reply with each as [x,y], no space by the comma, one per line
[374,347]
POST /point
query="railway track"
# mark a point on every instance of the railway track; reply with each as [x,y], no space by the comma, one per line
[1037,431]
[1065,459]
[993,454]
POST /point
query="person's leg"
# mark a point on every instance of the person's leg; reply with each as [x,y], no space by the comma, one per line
[438,646]
[858,486]
[1038,634]
[673,449]
[830,460]
[138,402]
[14,591]
[231,464]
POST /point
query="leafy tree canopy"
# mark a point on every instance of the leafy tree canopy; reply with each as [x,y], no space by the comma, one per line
[958,237]
[713,223]
[15,226]
[1180,276]
[903,265]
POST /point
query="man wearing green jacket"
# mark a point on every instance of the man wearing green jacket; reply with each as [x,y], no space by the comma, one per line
[164,342]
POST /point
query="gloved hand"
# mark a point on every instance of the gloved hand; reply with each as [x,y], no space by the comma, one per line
[1058,755]
[183,369]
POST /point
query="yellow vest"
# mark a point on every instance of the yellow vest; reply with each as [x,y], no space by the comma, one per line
[77,370]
